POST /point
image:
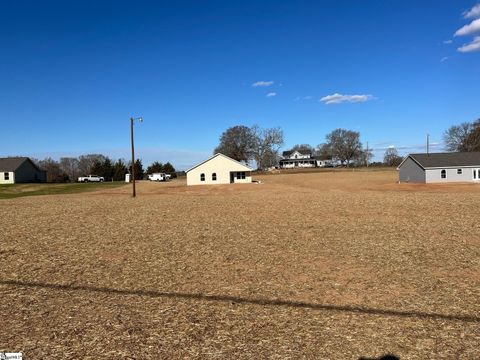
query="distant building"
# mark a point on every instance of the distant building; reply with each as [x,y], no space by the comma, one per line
[219,169]
[301,159]
[440,168]
[14,170]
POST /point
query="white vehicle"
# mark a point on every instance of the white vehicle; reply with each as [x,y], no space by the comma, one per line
[91,178]
[157,177]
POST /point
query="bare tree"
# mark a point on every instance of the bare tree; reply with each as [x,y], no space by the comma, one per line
[304,147]
[473,139]
[345,145]
[70,167]
[238,142]
[455,137]
[267,144]
[391,157]
[86,162]
[54,173]
[324,151]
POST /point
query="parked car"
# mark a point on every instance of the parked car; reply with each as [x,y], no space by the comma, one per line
[91,178]
[157,177]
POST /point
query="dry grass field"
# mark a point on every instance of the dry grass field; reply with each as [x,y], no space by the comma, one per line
[317,265]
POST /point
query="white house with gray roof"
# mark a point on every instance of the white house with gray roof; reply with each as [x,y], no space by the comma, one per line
[15,170]
[301,159]
[440,168]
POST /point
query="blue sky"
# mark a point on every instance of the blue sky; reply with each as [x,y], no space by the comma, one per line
[73,72]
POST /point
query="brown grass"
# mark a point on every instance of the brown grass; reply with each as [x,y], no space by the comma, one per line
[320,265]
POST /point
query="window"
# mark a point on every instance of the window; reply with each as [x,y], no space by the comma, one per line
[214,177]
[443,174]
[241,175]
[6,176]
[459,171]
[202,177]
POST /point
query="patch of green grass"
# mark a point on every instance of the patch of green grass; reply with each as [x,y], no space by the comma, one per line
[19,190]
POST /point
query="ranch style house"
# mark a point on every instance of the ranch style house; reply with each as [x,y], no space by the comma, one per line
[440,168]
[14,170]
[219,169]
[301,159]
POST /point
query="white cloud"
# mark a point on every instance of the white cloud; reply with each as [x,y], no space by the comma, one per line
[262,83]
[471,28]
[339,98]
[447,42]
[472,13]
[473,46]
[445,58]
[271,94]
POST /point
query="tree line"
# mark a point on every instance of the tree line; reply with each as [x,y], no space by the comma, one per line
[68,169]
[342,146]
[247,144]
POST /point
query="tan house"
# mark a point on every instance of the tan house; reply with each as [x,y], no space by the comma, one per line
[14,170]
[219,169]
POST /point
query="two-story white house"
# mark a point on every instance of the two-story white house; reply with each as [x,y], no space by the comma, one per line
[301,159]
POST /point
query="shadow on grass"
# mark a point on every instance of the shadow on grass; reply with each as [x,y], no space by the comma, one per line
[243,300]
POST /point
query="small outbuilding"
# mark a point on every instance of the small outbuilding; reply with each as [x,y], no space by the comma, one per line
[14,170]
[440,167]
[219,169]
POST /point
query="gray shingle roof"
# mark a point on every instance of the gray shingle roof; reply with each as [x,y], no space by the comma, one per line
[447,159]
[11,163]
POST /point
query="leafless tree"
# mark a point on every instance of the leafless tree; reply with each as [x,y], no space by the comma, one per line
[304,147]
[391,157]
[237,142]
[69,166]
[345,145]
[455,137]
[267,144]
[324,151]
[86,162]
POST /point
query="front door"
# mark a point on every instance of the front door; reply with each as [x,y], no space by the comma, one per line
[476,174]
[232,178]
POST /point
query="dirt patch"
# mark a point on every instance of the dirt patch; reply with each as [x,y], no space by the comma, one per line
[317,265]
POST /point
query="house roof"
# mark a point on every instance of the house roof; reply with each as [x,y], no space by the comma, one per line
[290,152]
[439,160]
[13,163]
[247,168]
[297,160]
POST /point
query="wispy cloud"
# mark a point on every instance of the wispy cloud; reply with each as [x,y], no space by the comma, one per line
[471,28]
[448,42]
[445,58]
[408,148]
[472,13]
[471,47]
[262,83]
[308,97]
[339,98]
[271,94]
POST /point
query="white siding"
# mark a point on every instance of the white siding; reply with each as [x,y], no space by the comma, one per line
[10,176]
[435,175]
[222,166]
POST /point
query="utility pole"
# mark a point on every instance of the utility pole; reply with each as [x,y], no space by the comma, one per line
[368,154]
[132,120]
[428,144]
